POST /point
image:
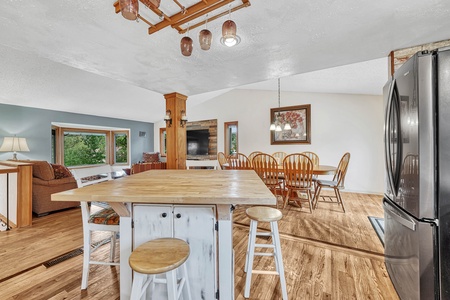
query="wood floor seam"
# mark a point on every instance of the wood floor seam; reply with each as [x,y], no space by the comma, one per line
[325,244]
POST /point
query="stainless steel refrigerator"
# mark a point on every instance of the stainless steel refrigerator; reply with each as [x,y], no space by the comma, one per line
[417,197]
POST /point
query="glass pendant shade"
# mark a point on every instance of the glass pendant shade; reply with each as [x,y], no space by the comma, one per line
[129,9]
[278,128]
[287,126]
[229,37]
[153,3]
[186,46]
[205,38]
[272,127]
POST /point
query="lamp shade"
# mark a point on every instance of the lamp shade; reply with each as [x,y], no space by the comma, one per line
[229,36]
[129,9]
[14,144]
[186,45]
[205,37]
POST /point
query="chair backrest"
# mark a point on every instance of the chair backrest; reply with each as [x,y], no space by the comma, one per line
[195,164]
[312,156]
[298,171]
[92,175]
[279,156]
[222,159]
[341,170]
[253,154]
[239,161]
[266,166]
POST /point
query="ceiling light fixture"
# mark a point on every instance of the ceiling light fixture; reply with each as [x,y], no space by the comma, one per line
[186,45]
[279,124]
[229,37]
[129,9]
[178,19]
[205,36]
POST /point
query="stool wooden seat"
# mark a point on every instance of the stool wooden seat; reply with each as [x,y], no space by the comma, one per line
[160,256]
[271,215]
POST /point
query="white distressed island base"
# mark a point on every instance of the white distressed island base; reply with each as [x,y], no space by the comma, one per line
[194,205]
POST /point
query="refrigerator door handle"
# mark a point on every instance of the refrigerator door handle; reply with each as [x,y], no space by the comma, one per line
[387,132]
[400,217]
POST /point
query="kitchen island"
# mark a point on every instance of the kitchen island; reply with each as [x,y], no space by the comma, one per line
[195,205]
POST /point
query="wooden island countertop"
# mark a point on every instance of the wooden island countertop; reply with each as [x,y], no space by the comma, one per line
[178,187]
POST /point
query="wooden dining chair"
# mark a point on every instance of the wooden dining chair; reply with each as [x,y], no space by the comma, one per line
[279,156]
[315,160]
[239,161]
[337,183]
[253,154]
[266,166]
[298,171]
[222,159]
[313,157]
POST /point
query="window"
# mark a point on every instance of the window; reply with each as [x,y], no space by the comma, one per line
[231,138]
[74,147]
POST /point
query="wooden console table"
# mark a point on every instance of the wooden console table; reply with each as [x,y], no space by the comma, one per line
[192,204]
[24,190]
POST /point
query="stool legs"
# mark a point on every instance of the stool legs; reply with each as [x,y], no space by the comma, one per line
[174,289]
[279,259]
[276,254]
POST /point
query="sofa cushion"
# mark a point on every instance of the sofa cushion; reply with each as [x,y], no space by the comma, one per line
[43,170]
[61,171]
[150,156]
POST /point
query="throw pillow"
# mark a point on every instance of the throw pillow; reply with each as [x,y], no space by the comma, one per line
[150,157]
[61,171]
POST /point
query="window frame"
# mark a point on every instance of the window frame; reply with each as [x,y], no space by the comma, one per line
[110,144]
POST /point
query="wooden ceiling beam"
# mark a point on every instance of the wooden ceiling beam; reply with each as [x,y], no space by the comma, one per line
[188,14]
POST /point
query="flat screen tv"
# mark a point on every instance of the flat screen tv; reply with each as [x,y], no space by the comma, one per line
[197,142]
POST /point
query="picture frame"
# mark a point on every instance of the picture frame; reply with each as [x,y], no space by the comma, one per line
[299,117]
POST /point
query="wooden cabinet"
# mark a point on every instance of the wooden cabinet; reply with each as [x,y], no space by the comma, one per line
[194,224]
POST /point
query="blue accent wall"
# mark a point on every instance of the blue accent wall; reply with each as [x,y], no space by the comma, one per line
[35,125]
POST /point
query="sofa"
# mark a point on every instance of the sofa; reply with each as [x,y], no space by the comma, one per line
[49,179]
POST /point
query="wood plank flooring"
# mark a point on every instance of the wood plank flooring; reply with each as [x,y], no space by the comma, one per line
[327,255]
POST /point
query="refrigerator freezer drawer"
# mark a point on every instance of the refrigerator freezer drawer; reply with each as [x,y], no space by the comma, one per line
[409,254]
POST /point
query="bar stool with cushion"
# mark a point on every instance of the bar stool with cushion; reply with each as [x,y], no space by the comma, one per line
[271,215]
[160,256]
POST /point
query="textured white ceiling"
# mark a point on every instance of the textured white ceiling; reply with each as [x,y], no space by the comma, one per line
[79,56]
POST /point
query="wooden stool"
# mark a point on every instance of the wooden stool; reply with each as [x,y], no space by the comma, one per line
[160,256]
[264,214]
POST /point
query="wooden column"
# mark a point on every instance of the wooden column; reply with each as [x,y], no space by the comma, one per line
[175,134]
[24,191]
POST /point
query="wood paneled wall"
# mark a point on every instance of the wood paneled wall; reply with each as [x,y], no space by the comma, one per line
[211,125]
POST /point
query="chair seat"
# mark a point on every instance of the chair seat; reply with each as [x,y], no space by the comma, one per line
[329,183]
[105,216]
[263,214]
[159,256]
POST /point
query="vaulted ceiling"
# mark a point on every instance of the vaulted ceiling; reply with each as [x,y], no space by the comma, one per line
[80,56]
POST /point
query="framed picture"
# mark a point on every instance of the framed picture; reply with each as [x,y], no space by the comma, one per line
[298,117]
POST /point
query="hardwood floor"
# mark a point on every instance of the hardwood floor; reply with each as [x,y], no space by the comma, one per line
[327,255]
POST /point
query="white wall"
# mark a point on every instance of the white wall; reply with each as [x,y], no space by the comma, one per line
[339,123]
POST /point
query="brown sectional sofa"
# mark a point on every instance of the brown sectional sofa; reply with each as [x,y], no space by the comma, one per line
[49,179]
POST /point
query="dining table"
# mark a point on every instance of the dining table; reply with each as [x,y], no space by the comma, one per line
[195,205]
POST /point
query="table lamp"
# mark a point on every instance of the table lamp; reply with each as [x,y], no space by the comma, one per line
[14,144]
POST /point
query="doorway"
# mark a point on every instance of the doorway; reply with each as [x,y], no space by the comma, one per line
[231,138]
